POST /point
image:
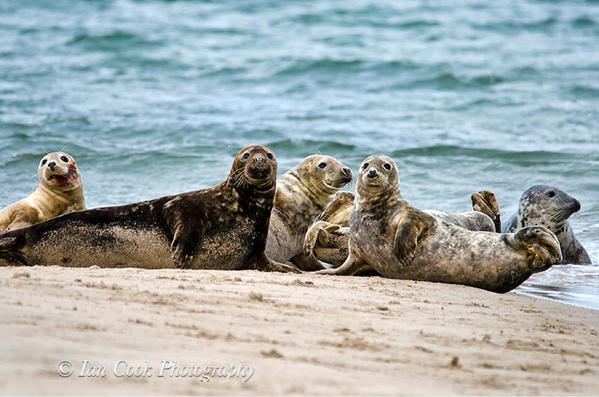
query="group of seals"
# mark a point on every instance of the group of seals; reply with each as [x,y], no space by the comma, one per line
[223,227]
[253,220]
[396,240]
[60,191]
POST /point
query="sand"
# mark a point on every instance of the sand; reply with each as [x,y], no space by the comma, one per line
[300,334]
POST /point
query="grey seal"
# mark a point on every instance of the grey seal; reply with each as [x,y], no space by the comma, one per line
[302,193]
[396,240]
[60,191]
[548,206]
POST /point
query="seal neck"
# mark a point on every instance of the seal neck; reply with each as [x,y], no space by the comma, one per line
[52,203]
[374,201]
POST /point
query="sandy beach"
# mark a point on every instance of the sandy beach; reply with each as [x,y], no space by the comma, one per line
[295,334]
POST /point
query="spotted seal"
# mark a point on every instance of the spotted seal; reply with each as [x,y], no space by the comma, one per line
[396,240]
[302,193]
[60,191]
[548,206]
[327,239]
[223,227]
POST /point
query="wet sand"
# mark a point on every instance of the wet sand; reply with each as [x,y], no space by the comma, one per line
[301,334]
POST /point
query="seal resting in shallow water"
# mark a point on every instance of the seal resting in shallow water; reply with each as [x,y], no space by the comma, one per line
[223,227]
[543,205]
[302,193]
[60,191]
[396,240]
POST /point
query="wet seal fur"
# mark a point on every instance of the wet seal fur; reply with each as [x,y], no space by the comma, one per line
[223,227]
[543,205]
[302,193]
[60,191]
[396,240]
[327,239]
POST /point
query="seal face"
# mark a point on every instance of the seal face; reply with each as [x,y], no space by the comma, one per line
[548,206]
[303,192]
[60,191]
[223,227]
[396,240]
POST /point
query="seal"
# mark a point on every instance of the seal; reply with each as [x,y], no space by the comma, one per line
[303,192]
[60,191]
[327,239]
[396,240]
[223,227]
[548,206]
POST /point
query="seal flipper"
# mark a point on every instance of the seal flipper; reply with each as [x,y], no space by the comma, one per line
[542,246]
[410,232]
[261,262]
[486,202]
[9,246]
[186,237]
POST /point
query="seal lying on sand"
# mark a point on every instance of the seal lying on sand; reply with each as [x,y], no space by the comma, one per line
[327,239]
[302,193]
[60,191]
[223,227]
[396,240]
[543,205]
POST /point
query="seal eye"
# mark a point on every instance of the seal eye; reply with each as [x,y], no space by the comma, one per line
[269,155]
[322,165]
[551,194]
[387,166]
[245,156]
[365,166]
[65,159]
[44,161]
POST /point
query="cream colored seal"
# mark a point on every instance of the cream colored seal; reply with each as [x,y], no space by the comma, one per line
[303,192]
[396,240]
[60,191]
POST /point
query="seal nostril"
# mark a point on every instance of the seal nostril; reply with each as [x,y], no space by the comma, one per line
[372,173]
[576,205]
[52,165]
[347,171]
[259,159]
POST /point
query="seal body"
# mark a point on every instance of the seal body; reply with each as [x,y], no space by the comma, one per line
[396,240]
[60,191]
[223,227]
[302,193]
[548,206]
[327,239]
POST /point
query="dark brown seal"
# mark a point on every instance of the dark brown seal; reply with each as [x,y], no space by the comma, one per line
[223,227]
[396,240]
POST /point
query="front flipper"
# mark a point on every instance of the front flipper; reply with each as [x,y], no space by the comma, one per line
[186,230]
[412,229]
[486,202]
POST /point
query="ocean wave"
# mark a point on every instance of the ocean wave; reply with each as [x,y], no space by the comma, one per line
[460,151]
[111,41]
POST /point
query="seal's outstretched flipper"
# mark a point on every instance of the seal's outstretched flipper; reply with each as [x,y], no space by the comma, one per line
[542,246]
[485,202]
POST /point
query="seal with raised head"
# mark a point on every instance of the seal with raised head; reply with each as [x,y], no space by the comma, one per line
[548,206]
[327,239]
[60,191]
[223,227]
[396,240]
[303,192]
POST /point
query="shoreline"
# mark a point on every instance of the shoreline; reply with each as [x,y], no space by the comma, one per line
[301,334]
